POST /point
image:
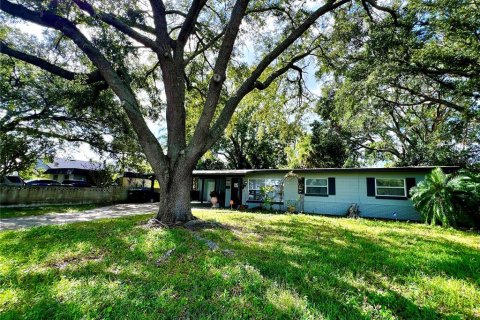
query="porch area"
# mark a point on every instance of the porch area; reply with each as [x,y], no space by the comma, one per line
[226,185]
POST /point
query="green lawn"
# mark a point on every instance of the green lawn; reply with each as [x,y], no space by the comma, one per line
[283,266]
[38,211]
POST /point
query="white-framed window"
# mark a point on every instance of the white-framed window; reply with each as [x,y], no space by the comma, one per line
[316,187]
[256,185]
[390,187]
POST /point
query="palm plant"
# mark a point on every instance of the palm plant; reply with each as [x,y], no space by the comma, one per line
[433,198]
[467,197]
[469,182]
[448,199]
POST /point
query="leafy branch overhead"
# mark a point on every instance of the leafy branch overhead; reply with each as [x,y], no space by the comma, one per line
[407,94]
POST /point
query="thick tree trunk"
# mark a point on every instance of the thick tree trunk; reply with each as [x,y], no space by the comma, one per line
[174,206]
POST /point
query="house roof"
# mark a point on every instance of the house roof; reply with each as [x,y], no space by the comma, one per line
[232,172]
[243,172]
[60,163]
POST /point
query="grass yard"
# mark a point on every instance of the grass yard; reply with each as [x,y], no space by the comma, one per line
[38,211]
[282,266]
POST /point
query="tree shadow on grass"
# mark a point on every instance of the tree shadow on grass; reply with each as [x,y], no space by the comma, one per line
[406,254]
[330,256]
[288,270]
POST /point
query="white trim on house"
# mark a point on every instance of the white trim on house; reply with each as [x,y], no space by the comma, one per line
[389,187]
[316,194]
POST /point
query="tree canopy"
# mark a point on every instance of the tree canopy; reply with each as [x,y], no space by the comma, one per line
[264,125]
[409,94]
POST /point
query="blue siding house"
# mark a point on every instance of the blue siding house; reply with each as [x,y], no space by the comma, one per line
[378,192]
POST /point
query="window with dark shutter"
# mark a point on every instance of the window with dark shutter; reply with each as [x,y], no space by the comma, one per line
[316,187]
[331,186]
[301,185]
[370,187]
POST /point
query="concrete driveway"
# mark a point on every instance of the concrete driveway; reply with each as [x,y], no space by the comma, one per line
[115,211]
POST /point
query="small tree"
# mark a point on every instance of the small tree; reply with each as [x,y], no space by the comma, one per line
[433,198]
[105,177]
[447,199]
[268,195]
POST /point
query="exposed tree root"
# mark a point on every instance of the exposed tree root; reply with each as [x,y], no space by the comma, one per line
[164,257]
[211,244]
[193,225]
[202,224]
[154,224]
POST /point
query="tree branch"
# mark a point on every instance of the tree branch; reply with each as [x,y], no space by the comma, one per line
[92,77]
[392,12]
[216,83]
[147,139]
[273,8]
[160,20]
[190,21]
[432,99]
[205,47]
[249,84]
[111,20]
[177,12]
[277,73]
[392,151]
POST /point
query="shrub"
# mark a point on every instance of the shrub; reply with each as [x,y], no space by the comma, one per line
[467,198]
[448,199]
[267,193]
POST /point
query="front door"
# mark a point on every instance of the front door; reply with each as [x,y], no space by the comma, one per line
[209,187]
[236,193]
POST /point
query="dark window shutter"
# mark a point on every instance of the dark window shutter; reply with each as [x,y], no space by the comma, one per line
[411,182]
[371,187]
[301,185]
[331,186]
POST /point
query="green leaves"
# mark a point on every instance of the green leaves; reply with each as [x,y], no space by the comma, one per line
[265,124]
[17,153]
[407,94]
[448,199]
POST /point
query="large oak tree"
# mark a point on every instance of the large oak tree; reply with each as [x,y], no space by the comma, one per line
[138,49]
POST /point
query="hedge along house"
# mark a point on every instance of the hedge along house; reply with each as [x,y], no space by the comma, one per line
[378,192]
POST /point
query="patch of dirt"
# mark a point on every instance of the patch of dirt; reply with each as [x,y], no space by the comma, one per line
[62,264]
[236,291]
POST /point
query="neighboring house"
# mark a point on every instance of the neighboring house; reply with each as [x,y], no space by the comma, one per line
[379,192]
[62,169]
